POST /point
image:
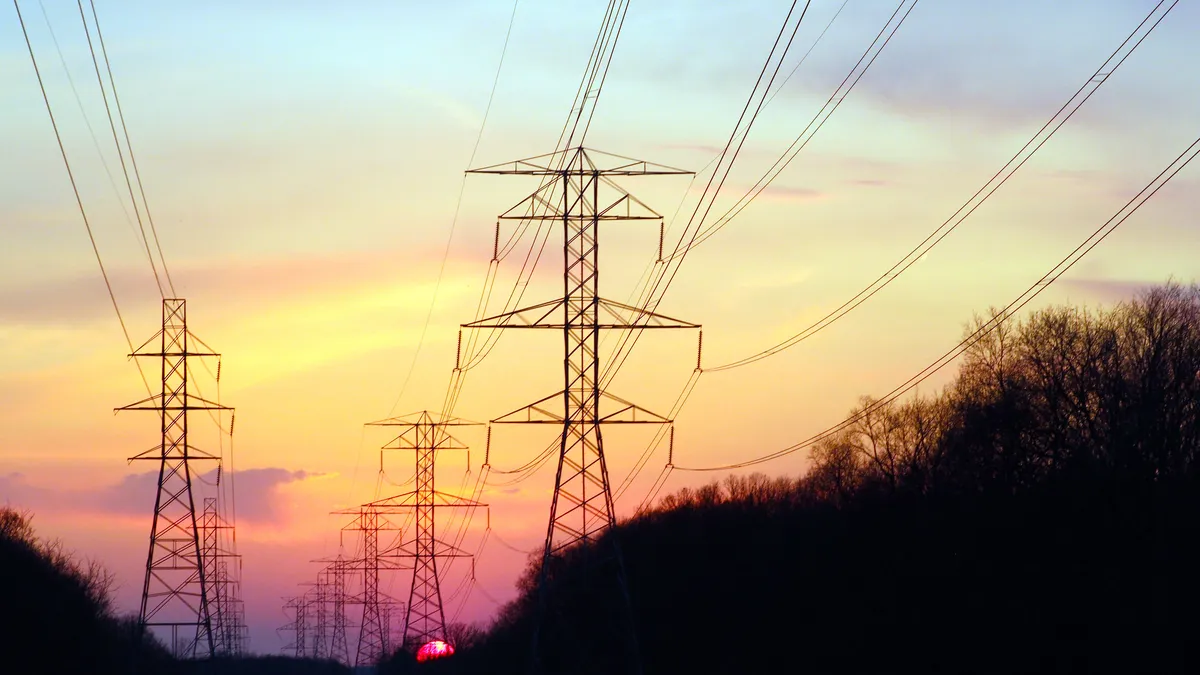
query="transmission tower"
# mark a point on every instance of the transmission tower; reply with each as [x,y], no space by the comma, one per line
[318,640]
[332,578]
[223,595]
[578,190]
[374,636]
[298,606]
[176,594]
[426,434]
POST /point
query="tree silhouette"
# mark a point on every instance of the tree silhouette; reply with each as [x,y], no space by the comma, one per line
[1037,514]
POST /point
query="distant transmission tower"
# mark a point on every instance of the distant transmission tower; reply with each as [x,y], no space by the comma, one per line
[223,592]
[298,606]
[176,594]
[578,190]
[318,625]
[333,579]
[426,434]
[374,639]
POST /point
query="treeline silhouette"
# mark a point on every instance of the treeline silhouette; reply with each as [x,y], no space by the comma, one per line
[1040,514]
[56,611]
[56,616]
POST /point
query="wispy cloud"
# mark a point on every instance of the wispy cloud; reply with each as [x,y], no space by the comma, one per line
[133,495]
[793,193]
[869,182]
[82,299]
[1105,290]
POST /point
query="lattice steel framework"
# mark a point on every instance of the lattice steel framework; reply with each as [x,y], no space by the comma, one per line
[374,639]
[175,593]
[299,608]
[333,578]
[223,591]
[579,192]
[425,433]
[318,624]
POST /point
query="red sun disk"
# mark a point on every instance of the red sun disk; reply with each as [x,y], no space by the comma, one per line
[435,649]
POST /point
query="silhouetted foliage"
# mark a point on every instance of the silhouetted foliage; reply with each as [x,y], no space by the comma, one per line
[262,665]
[57,617]
[1037,515]
[57,614]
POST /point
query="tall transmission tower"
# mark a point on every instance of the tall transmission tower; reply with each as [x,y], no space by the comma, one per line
[578,190]
[176,594]
[425,433]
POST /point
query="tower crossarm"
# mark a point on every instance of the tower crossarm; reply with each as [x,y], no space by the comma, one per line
[612,315]
[412,500]
[157,453]
[156,403]
[580,160]
[542,411]
[439,548]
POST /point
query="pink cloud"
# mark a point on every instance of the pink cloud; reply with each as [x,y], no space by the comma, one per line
[794,193]
[133,495]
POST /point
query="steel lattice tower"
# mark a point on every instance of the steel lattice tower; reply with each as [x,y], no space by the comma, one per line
[299,625]
[222,595]
[374,639]
[175,594]
[579,192]
[332,623]
[426,434]
[318,641]
[333,577]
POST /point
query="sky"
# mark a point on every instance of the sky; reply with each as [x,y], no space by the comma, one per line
[303,162]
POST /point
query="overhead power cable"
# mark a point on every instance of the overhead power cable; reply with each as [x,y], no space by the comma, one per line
[1009,310]
[1140,32]
[137,174]
[582,109]
[653,293]
[457,210]
[137,212]
[87,122]
[1090,86]
[810,130]
[757,99]
[647,277]
[78,200]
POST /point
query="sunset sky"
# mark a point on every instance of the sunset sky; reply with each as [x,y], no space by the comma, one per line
[303,161]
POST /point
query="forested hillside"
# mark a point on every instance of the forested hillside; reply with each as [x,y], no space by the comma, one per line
[1040,514]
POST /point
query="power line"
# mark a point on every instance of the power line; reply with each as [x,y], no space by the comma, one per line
[1014,164]
[653,293]
[75,189]
[457,209]
[804,58]
[129,145]
[120,155]
[757,99]
[1034,290]
[1090,85]
[599,59]
[87,121]
[810,130]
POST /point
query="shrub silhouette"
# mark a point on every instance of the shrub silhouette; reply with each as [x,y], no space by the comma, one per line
[57,615]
